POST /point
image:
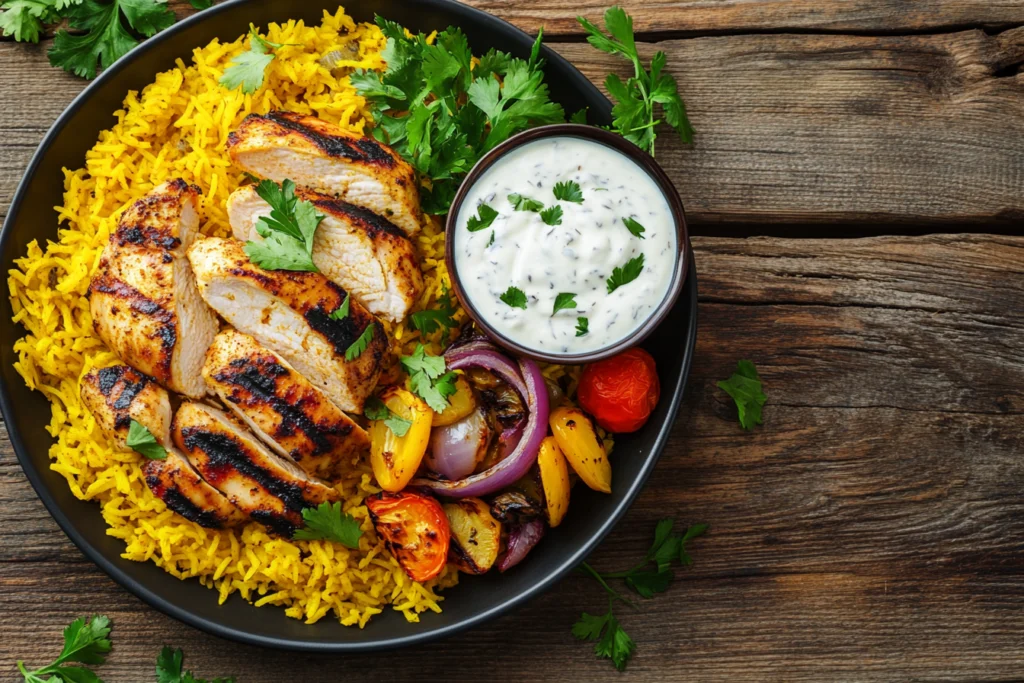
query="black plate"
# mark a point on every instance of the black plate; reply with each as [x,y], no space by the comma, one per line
[26,413]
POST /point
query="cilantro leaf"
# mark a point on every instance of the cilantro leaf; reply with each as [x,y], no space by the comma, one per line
[101,35]
[582,326]
[744,386]
[521,203]
[484,217]
[376,409]
[579,117]
[552,215]
[569,191]
[359,345]
[341,312]
[287,232]
[428,378]
[634,227]
[86,642]
[626,274]
[327,521]
[514,297]
[23,19]
[248,69]
[429,321]
[169,669]
[562,301]
[612,641]
[589,626]
[142,441]
[691,532]
[633,115]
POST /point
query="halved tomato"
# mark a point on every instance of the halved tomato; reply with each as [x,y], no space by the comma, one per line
[414,529]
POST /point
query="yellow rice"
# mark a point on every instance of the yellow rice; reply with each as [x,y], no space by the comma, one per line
[177,127]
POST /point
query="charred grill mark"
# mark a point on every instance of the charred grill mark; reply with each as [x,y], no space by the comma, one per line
[257,377]
[140,303]
[339,333]
[182,505]
[144,235]
[274,522]
[225,454]
[362,149]
[373,224]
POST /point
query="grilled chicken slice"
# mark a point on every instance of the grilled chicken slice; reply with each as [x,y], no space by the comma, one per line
[272,490]
[323,157]
[364,253]
[116,396]
[290,312]
[281,407]
[143,297]
[179,486]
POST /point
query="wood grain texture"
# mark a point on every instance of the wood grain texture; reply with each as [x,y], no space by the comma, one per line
[872,529]
[751,16]
[790,128]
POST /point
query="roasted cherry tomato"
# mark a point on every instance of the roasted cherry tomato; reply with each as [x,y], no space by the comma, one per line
[414,529]
[621,391]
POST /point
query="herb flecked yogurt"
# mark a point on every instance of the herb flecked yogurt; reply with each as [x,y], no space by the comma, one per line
[565,245]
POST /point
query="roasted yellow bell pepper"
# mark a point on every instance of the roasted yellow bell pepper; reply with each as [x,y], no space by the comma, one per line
[460,404]
[576,437]
[395,459]
[554,477]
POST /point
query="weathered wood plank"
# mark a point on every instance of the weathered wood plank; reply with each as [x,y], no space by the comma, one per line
[750,16]
[811,129]
[872,528]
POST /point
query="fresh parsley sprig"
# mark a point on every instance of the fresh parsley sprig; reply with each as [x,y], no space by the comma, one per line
[653,575]
[483,219]
[249,69]
[443,317]
[170,669]
[633,113]
[552,215]
[522,203]
[376,409]
[85,642]
[359,345]
[744,386]
[441,112]
[429,378]
[341,312]
[287,232]
[568,191]
[327,521]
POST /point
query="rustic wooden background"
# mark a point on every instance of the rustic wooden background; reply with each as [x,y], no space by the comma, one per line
[857,195]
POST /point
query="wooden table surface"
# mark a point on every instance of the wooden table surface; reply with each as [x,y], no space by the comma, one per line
[856,191]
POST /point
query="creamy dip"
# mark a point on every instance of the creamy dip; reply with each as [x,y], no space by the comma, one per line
[594,245]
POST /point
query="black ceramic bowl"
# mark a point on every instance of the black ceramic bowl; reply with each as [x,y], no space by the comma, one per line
[27,413]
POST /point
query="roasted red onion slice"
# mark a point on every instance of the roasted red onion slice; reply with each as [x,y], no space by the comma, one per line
[521,540]
[530,382]
[456,449]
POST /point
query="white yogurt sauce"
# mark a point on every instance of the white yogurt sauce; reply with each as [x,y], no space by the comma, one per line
[577,256]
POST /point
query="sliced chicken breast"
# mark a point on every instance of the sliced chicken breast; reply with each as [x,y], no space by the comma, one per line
[323,157]
[355,248]
[143,298]
[179,486]
[281,407]
[272,490]
[117,395]
[290,312]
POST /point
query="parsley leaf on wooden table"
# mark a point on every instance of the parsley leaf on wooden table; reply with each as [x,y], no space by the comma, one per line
[85,642]
[744,386]
[327,521]
[668,549]
[101,33]
[169,669]
[633,113]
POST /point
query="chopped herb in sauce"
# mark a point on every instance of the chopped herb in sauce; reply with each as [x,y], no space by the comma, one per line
[626,274]
[514,297]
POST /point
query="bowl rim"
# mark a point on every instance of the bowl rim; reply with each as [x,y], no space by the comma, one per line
[646,162]
[140,588]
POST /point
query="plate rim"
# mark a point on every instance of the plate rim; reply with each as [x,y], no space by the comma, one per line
[171,609]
